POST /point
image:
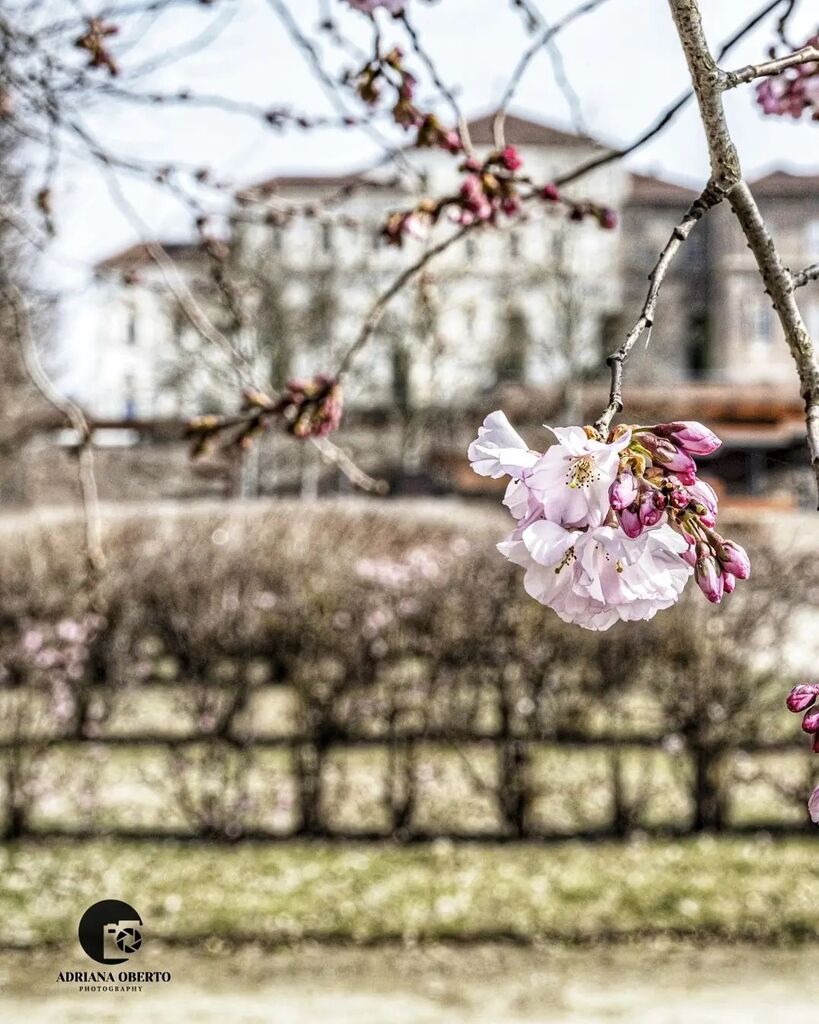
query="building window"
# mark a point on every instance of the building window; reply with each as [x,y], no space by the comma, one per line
[812,240]
[326,237]
[131,337]
[514,245]
[130,409]
[510,361]
[697,347]
[758,317]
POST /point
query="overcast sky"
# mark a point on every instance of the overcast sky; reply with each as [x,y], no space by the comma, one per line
[624,62]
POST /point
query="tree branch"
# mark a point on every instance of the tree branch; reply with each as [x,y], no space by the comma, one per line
[75,417]
[726,173]
[805,276]
[704,202]
[770,67]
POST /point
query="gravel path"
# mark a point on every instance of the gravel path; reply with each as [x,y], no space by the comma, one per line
[634,984]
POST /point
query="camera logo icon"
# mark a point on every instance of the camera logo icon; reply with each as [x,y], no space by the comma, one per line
[121,937]
[111,932]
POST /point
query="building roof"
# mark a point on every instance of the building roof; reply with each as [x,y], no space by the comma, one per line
[139,255]
[646,190]
[323,182]
[519,131]
[781,184]
[522,131]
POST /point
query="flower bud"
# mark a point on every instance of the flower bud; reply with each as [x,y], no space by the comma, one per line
[704,494]
[510,158]
[810,721]
[729,582]
[734,559]
[630,522]
[623,491]
[689,556]
[695,438]
[679,498]
[708,577]
[667,454]
[551,193]
[801,697]
[649,513]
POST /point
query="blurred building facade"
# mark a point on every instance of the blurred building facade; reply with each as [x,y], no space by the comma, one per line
[531,309]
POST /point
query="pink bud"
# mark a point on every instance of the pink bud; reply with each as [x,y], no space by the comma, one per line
[729,582]
[511,206]
[801,697]
[664,453]
[686,476]
[810,722]
[551,193]
[703,493]
[734,559]
[689,556]
[630,522]
[649,513]
[510,158]
[708,577]
[623,491]
[679,498]
[607,218]
[690,435]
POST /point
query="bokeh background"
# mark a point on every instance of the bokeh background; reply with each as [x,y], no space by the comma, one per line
[345,769]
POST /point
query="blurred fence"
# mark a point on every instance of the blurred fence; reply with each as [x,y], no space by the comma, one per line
[351,672]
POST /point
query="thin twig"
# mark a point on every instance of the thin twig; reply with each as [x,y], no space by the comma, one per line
[74,415]
[803,277]
[704,202]
[544,39]
[769,67]
[668,115]
[373,318]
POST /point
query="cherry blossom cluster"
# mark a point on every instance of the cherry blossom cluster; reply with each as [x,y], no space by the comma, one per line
[309,407]
[390,70]
[657,480]
[610,528]
[802,698]
[792,92]
[488,190]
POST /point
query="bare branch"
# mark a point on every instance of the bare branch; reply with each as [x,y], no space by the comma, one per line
[805,276]
[668,115]
[373,318]
[704,202]
[770,67]
[543,40]
[726,173]
[75,417]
